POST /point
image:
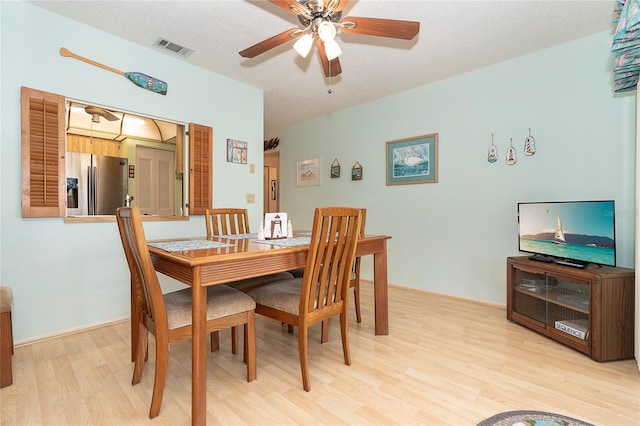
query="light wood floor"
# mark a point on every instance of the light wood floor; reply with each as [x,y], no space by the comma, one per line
[445,362]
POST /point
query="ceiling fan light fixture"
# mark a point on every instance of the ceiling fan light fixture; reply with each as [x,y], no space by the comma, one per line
[332,49]
[303,45]
[326,31]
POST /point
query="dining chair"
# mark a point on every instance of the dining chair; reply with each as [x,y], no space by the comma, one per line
[168,316]
[226,221]
[323,290]
[234,221]
[354,282]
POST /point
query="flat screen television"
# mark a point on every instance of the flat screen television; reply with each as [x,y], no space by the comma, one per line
[574,233]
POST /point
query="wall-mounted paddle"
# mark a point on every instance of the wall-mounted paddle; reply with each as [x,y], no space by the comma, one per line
[138,78]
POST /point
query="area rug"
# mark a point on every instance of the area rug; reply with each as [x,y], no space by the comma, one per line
[531,418]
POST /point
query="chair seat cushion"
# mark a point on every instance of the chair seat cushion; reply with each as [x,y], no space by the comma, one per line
[281,295]
[6,299]
[222,301]
[251,283]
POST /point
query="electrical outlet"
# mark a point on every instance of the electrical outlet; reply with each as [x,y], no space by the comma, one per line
[252,168]
[251,198]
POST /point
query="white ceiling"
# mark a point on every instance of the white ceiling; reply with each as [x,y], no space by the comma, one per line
[455,37]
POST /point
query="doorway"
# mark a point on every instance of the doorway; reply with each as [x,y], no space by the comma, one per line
[271,181]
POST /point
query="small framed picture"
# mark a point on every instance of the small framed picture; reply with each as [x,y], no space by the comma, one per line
[356,171]
[236,151]
[308,172]
[413,160]
[335,169]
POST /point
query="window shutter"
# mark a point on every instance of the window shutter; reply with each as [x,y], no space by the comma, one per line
[43,152]
[200,165]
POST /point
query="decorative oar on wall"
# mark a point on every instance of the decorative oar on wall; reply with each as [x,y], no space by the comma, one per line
[139,79]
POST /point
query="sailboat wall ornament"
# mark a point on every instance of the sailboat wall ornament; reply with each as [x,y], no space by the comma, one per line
[493,152]
[511,154]
[529,145]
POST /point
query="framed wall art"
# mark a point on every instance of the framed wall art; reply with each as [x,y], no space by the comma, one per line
[356,171]
[308,172]
[335,169]
[236,151]
[413,160]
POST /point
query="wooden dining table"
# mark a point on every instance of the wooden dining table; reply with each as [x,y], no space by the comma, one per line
[245,258]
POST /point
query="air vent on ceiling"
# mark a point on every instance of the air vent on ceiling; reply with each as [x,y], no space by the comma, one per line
[165,44]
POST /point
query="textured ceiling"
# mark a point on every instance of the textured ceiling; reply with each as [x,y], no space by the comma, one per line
[455,37]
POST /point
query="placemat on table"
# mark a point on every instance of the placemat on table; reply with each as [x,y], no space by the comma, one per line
[287,242]
[238,236]
[186,245]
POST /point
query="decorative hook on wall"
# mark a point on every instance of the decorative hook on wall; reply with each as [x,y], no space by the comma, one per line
[511,153]
[493,152]
[529,145]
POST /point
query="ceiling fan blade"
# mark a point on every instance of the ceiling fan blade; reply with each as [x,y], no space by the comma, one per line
[331,68]
[110,116]
[270,43]
[405,30]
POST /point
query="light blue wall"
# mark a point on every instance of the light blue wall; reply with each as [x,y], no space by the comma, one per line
[67,276]
[453,237]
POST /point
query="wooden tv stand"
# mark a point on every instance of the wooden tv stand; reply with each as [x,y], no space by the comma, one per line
[590,310]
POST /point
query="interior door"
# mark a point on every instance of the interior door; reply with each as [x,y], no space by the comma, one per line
[154,184]
[271,179]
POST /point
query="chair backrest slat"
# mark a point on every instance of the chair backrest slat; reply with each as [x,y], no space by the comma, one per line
[332,249]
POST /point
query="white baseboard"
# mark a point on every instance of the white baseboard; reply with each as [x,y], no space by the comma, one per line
[68,332]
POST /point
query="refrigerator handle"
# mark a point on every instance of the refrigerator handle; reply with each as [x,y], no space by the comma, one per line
[91,190]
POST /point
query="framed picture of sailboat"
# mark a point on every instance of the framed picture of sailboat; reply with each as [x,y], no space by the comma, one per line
[412,160]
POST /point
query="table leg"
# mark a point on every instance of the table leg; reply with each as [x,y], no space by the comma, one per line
[381,291]
[198,352]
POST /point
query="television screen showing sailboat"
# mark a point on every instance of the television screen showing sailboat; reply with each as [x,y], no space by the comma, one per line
[580,231]
[559,238]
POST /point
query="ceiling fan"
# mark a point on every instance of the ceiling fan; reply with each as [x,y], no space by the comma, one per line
[321,19]
[96,113]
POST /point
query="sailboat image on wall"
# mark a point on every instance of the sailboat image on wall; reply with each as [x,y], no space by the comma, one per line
[558,238]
